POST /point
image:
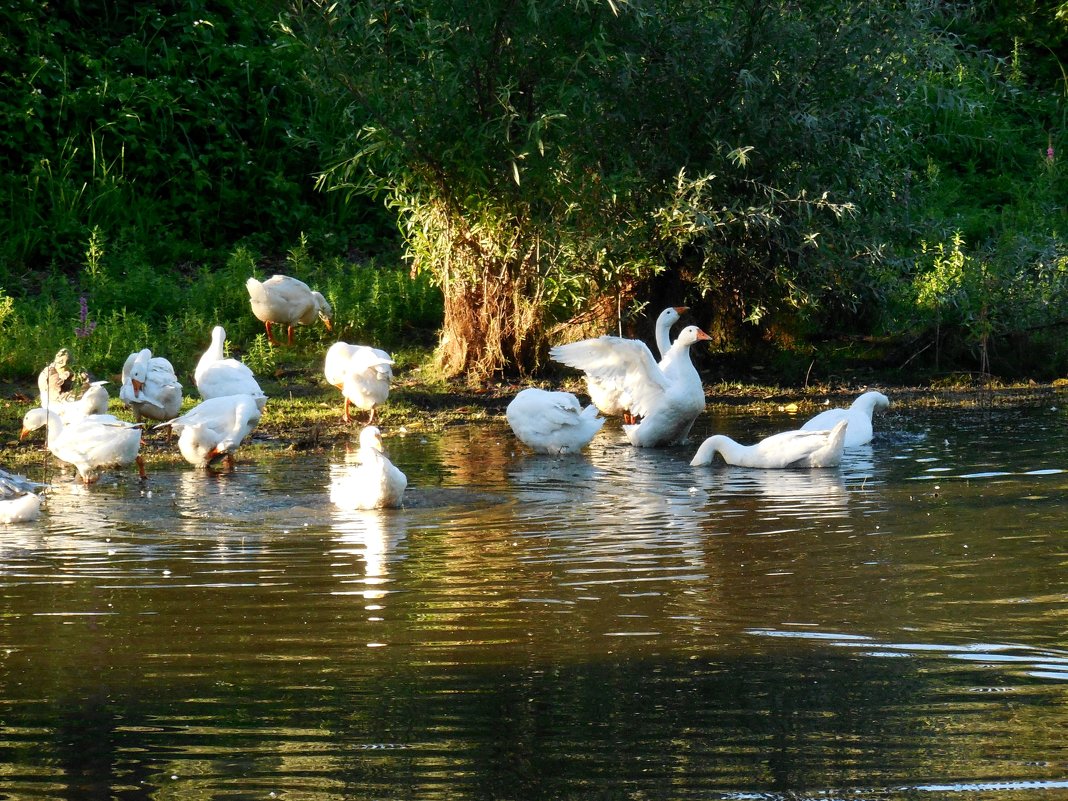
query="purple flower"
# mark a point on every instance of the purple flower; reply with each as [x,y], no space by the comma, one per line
[1049,153]
[87,326]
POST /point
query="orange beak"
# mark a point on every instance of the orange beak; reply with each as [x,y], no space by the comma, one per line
[137,386]
[682,309]
[702,335]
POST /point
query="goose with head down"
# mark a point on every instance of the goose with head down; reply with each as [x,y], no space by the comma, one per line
[785,449]
[283,300]
[859,415]
[215,428]
[668,399]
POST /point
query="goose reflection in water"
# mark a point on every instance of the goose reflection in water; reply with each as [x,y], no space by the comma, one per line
[375,538]
[614,515]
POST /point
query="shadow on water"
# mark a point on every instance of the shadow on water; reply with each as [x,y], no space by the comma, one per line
[614,624]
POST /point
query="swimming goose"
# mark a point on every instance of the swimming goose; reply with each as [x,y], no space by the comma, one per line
[552,422]
[217,376]
[374,483]
[92,444]
[858,414]
[287,301]
[668,400]
[149,386]
[215,428]
[19,500]
[785,449]
[362,373]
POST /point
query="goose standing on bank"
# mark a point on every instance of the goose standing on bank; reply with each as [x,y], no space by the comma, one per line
[374,483]
[859,415]
[92,444]
[150,387]
[785,449]
[215,428]
[287,301]
[552,422]
[216,376]
[362,373]
[668,400]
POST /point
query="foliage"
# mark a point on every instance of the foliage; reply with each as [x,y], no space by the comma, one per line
[172,126]
[547,160]
[121,303]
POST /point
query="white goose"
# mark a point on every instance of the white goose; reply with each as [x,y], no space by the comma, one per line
[215,428]
[92,444]
[667,399]
[607,391]
[19,500]
[93,401]
[287,301]
[149,386]
[362,373]
[217,376]
[552,422]
[785,449]
[374,483]
[858,414]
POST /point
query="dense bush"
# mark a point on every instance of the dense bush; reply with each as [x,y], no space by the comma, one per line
[794,171]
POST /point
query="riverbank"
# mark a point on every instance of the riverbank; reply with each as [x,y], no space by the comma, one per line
[305,414]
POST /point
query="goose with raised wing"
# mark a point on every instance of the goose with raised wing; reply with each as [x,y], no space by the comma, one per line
[217,376]
[667,399]
[288,301]
[374,482]
[150,387]
[859,416]
[552,422]
[92,444]
[362,373]
[785,449]
[607,391]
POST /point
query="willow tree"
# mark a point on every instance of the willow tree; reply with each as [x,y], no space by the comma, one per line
[546,158]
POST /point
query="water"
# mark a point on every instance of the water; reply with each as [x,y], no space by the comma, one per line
[615,625]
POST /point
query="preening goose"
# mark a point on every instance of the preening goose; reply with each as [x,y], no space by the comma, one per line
[362,373]
[287,301]
[552,422]
[150,387]
[785,449]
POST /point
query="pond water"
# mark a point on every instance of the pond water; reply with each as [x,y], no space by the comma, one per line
[614,625]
